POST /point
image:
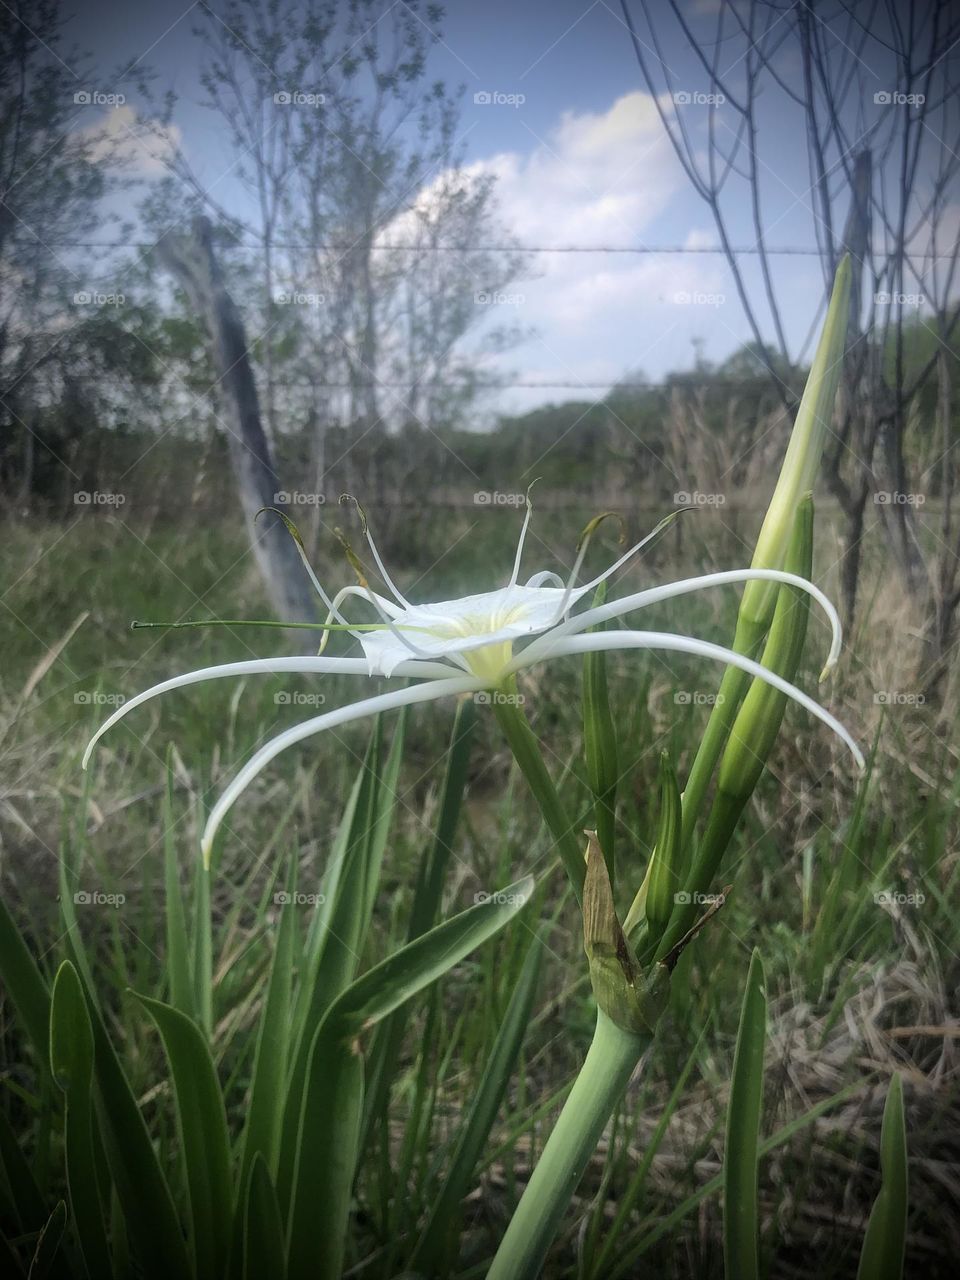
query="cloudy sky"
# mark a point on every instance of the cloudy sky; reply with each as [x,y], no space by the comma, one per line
[555,107]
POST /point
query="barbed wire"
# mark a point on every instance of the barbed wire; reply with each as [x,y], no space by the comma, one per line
[649,250]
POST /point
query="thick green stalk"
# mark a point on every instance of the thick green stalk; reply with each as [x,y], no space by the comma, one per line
[526,749]
[609,1064]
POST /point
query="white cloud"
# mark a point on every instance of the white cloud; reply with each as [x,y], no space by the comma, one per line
[141,147]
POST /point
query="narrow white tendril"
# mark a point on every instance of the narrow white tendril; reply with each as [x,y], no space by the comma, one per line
[686,586]
[589,586]
[384,605]
[365,529]
[329,720]
[603,640]
[294,532]
[543,576]
[523,536]
[266,666]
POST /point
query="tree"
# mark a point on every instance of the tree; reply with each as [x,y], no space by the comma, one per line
[873,90]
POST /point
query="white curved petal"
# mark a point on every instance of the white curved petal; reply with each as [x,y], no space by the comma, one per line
[538,579]
[604,640]
[317,724]
[266,666]
[653,595]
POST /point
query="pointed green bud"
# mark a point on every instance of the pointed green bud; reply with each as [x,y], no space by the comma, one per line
[630,997]
[664,878]
[600,745]
[802,459]
[758,720]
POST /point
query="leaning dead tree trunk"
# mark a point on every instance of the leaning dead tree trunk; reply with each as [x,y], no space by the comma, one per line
[191,260]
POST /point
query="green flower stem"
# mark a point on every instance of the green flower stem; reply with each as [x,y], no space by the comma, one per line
[526,749]
[609,1064]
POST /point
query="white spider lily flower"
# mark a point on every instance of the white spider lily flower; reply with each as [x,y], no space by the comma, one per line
[456,647]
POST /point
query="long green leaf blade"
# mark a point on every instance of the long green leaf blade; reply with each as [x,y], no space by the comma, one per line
[202,1123]
[740,1243]
[885,1242]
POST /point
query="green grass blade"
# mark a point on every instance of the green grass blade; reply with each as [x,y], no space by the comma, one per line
[25,985]
[48,1244]
[427,899]
[329,1129]
[740,1241]
[26,1197]
[263,1243]
[71,1063]
[430,1254]
[202,1125]
[151,1218]
[178,960]
[885,1242]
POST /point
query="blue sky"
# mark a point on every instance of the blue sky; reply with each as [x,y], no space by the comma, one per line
[580,158]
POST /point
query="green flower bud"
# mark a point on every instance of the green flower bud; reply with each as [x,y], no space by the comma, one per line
[631,997]
[664,876]
[759,718]
[600,745]
[804,451]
